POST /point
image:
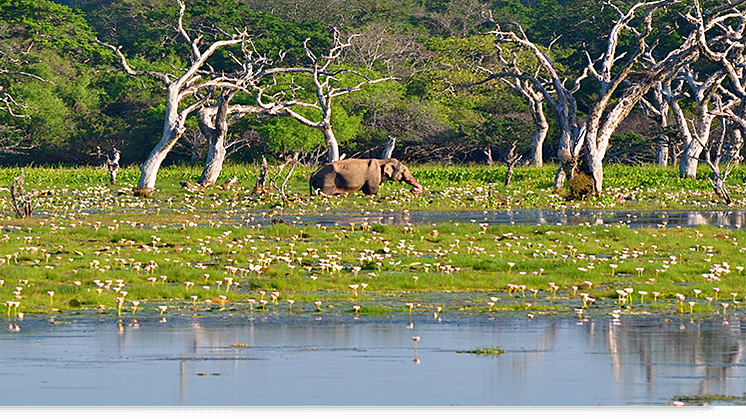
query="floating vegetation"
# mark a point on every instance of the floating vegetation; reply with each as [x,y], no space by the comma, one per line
[707,399]
[486,351]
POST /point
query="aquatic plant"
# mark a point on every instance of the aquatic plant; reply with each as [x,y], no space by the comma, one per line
[725,306]
[485,351]
[120,303]
[642,295]
[613,267]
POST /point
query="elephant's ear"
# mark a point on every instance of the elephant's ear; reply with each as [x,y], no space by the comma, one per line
[388,170]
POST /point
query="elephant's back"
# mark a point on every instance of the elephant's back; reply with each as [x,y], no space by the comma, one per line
[320,173]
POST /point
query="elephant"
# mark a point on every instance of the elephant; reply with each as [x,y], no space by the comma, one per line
[352,175]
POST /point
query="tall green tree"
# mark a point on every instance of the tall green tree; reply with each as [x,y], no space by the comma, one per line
[45,53]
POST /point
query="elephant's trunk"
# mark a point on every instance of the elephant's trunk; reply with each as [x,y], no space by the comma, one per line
[412,181]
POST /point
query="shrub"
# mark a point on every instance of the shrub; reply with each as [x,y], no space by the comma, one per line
[580,187]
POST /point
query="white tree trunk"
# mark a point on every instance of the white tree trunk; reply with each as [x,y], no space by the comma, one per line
[112,163]
[694,142]
[331,142]
[594,160]
[734,145]
[689,160]
[663,152]
[214,126]
[214,165]
[388,149]
[173,128]
[537,140]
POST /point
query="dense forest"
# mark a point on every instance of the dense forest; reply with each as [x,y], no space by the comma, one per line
[440,88]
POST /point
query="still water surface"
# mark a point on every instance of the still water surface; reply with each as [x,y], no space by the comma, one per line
[367,361]
[734,218]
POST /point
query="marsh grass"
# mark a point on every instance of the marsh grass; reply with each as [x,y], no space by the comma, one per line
[85,231]
[463,186]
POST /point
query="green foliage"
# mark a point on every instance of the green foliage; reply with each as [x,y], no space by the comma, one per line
[434,48]
[285,134]
[48,26]
[47,54]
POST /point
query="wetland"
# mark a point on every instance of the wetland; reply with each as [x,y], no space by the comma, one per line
[223,297]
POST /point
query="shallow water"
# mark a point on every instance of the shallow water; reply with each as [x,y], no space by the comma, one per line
[337,360]
[635,219]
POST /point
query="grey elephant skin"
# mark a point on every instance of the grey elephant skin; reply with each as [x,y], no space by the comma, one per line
[352,175]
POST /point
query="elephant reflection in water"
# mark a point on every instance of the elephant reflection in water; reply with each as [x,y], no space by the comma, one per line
[352,175]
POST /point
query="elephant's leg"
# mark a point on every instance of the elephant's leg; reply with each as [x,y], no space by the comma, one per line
[370,189]
[330,186]
[324,186]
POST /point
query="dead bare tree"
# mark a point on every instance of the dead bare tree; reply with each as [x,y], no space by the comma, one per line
[511,158]
[721,162]
[696,133]
[388,45]
[388,149]
[292,162]
[622,78]
[214,123]
[23,203]
[658,110]
[725,46]
[184,94]
[324,79]
[112,163]
[525,88]
[271,99]
[720,35]
[12,106]
[260,188]
[215,120]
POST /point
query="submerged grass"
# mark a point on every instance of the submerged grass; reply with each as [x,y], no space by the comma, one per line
[89,244]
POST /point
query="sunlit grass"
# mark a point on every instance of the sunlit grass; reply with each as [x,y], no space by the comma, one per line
[446,187]
[89,241]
